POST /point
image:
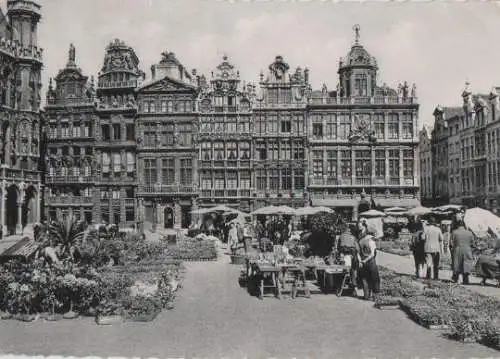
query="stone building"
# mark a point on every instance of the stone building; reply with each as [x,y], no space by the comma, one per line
[91,140]
[159,150]
[225,139]
[20,117]
[167,146]
[425,155]
[466,155]
[363,140]
[115,146]
[70,125]
[279,136]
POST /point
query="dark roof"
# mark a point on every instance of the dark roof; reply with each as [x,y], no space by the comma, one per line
[449,112]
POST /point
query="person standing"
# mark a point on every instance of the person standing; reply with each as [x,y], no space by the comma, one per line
[232,237]
[433,248]
[368,271]
[348,246]
[417,247]
[462,241]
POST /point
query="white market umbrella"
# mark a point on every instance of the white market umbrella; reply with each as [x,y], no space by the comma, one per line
[448,207]
[285,210]
[309,211]
[372,213]
[265,210]
[480,220]
[418,211]
[395,209]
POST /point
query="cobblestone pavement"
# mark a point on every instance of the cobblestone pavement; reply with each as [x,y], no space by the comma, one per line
[214,317]
[405,265]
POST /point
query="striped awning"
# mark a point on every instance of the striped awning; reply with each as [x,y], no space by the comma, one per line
[397,202]
[335,202]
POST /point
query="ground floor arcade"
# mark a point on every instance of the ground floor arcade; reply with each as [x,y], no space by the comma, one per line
[19,206]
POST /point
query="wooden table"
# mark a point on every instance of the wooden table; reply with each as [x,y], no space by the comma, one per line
[268,271]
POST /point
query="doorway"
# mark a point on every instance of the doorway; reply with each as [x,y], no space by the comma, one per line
[168,216]
[12,213]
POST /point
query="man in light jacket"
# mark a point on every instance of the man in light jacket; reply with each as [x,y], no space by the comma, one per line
[433,248]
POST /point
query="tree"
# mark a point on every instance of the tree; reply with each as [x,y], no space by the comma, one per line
[324,228]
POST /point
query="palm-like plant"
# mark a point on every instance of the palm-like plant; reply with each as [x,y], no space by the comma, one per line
[68,235]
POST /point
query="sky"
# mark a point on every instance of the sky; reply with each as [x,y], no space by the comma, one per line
[436,45]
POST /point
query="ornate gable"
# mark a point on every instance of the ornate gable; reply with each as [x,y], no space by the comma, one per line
[167,85]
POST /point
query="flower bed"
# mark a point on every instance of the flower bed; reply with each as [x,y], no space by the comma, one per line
[467,316]
[400,248]
[193,250]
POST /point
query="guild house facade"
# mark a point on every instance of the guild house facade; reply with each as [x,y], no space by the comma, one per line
[160,148]
[20,117]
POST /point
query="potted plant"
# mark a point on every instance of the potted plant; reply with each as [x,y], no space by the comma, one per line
[238,256]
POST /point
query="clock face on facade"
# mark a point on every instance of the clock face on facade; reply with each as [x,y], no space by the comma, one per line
[225,74]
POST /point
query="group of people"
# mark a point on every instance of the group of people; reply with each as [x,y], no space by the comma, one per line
[358,249]
[428,248]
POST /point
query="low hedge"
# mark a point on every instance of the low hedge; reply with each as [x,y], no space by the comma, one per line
[468,316]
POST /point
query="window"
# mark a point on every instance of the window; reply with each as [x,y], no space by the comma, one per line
[117,133]
[231,127]
[298,150]
[115,194]
[245,150]
[106,162]
[130,214]
[331,126]
[164,106]
[345,163]
[104,193]
[273,151]
[87,170]
[344,126]
[380,163]
[260,125]
[76,130]
[274,179]
[298,124]
[117,166]
[65,151]
[64,130]
[286,126]
[245,181]
[260,177]
[168,171]
[394,163]
[232,179]
[76,171]
[76,151]
[167,135]
[317,129]
[145,107]
[407,126]
[317,159]
[185,134]
[152,107]
[285,150]
[206,179]
[219,180]
[219,151]
[186,171]
[408,163]
[219,127]
[286,179]
[105,132]
[261,151]
[272,123]
[170,106]
[331,165]
[150,174]
[363,164]
[393,126]
[129,192]
[87,192]
[299,180]
[52,132]
[130,132]
[379,124]
[232,150]
[360,85]
[244,125]
[206,151]
[130,162]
